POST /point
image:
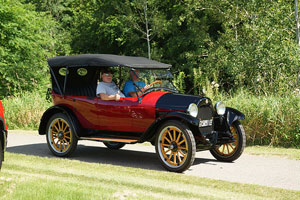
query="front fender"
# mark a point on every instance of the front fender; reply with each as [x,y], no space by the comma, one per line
[233,115]
[181,116]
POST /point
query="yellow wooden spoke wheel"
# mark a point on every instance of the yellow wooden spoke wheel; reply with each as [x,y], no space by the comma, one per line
[175,146]
[230,148]
[1,153]
[231,151]
[60,136]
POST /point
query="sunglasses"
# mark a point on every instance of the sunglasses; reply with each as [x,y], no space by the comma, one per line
[107,74]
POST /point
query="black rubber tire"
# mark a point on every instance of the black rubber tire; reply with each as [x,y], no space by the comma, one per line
[185,136]
[238,150]
[72,136]
[114,145]
[1,153]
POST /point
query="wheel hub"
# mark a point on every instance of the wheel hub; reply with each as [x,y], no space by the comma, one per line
[173,146]
[60,135]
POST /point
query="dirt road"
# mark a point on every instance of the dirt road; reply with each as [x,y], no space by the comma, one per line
[267,171]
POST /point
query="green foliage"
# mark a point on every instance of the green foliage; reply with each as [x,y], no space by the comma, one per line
[256,48]
[27,39]
[270,120]
[178,81]
[234,43]
[24,111]
[61,10]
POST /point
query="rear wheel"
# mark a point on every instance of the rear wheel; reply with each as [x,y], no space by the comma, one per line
[231,151]
[114,145]
[175,146]
[60,135]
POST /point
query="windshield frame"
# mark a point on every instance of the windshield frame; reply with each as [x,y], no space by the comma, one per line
[152,73]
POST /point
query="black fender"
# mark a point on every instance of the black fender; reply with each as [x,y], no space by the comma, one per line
[59,109]
[233,115]
[180,116]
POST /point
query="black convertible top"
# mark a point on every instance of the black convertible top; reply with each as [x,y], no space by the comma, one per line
[105,60]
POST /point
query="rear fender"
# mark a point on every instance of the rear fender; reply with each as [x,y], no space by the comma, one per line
[58,109]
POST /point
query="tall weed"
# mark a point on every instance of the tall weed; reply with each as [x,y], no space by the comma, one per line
[270,120]
[24,111]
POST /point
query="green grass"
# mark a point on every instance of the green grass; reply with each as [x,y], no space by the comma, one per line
[30,177]
[288,153]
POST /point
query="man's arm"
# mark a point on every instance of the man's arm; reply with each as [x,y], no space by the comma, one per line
[104,96]
[133,94]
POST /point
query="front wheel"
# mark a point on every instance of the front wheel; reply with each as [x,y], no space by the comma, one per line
[175,146]
[60,135]
[231,151]
[1,154]
[114,145]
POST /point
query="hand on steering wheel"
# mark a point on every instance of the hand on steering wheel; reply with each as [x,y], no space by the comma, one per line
[154,82]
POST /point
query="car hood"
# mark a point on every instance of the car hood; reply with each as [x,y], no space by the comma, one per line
[173,101]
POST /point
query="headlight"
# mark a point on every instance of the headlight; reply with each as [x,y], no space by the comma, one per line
[220,107]
[193,110]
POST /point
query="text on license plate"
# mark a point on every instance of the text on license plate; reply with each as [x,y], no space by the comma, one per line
[204,123]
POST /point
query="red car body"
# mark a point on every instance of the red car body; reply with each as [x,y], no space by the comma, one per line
[127,114]
[3,134]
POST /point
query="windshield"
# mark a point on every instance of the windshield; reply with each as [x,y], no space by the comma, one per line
[156,78]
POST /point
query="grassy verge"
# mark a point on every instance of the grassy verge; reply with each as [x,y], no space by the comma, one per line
[31,177]
[288,153]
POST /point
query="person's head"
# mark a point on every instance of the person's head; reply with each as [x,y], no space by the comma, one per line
[134,74]
[106,75]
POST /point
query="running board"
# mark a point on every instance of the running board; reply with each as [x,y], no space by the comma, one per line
[104,139]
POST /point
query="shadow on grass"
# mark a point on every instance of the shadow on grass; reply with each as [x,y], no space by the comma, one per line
[103,155]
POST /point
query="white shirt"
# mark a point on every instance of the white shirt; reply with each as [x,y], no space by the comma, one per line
[108,88]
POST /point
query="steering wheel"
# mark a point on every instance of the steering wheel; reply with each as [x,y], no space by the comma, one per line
[154,82]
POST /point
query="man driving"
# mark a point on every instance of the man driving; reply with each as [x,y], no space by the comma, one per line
[130,90]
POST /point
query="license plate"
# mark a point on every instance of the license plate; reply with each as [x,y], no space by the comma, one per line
[204,123]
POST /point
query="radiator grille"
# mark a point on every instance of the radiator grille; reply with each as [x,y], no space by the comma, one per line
[205,112]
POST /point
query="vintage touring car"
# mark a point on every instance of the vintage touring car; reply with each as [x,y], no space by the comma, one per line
[3,134]
[177,124]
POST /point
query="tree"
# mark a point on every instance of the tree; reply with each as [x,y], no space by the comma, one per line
[144,17]
[27,39]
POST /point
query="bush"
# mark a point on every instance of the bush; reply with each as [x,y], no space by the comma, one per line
[270,120]
[25,110]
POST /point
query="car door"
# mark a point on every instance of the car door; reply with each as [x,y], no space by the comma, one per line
[114,115]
